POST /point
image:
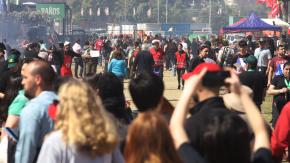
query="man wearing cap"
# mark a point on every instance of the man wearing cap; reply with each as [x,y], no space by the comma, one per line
[207,101]
[158,57]
[13,69]
[255,80]
[263,55]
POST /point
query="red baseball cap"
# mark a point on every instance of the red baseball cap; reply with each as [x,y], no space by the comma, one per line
[211,67]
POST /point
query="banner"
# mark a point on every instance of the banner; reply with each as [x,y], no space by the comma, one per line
[55,10]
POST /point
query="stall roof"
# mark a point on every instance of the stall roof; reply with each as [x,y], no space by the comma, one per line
[253,23]
[277,22]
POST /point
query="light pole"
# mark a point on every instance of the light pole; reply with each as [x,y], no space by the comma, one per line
[166,11]
[158,10]
[125,10]
[209,15]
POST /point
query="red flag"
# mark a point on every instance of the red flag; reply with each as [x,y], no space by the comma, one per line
[260,1]
[275,11]
[270,3]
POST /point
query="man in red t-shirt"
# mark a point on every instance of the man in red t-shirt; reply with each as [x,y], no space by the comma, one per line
[276,64]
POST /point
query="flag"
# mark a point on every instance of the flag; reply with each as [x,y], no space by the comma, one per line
[270,3]
[275,10]
[134,11]
[98,12]
[219,12]
[149,12]
[107,12]
[90,12]
[260,1]
[82,12]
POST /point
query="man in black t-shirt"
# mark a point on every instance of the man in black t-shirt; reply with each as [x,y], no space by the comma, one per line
[13,69]
[280,89]
[208,103]
[254,79]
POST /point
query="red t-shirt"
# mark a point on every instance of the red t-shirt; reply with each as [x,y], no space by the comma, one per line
[280,139]
[277,64]
[99,44]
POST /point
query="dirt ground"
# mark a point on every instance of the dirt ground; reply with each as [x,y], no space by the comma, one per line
[172,94]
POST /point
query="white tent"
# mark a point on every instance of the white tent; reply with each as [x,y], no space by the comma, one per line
[277,22]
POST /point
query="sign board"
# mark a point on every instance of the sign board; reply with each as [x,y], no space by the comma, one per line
[55,10]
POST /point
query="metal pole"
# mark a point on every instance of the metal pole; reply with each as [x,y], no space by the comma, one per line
[166,14]
[209,19]
[125,10]
[158,12]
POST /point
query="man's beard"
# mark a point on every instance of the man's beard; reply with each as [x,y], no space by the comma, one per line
[27,95]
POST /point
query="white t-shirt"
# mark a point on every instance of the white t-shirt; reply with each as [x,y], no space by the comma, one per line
[263,56]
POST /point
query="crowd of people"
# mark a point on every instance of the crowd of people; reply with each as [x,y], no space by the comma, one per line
[66,102]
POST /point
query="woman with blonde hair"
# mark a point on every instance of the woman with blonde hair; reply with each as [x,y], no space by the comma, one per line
[83,132]
[149,141]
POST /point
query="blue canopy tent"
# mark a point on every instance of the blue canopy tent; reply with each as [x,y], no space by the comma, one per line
[252,24]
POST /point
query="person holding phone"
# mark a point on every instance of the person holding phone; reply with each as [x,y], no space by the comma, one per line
[222,136]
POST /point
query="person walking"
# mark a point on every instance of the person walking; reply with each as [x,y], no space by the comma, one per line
[181,60]
[255,80]
[263,55]
[158,57]
[67,55]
